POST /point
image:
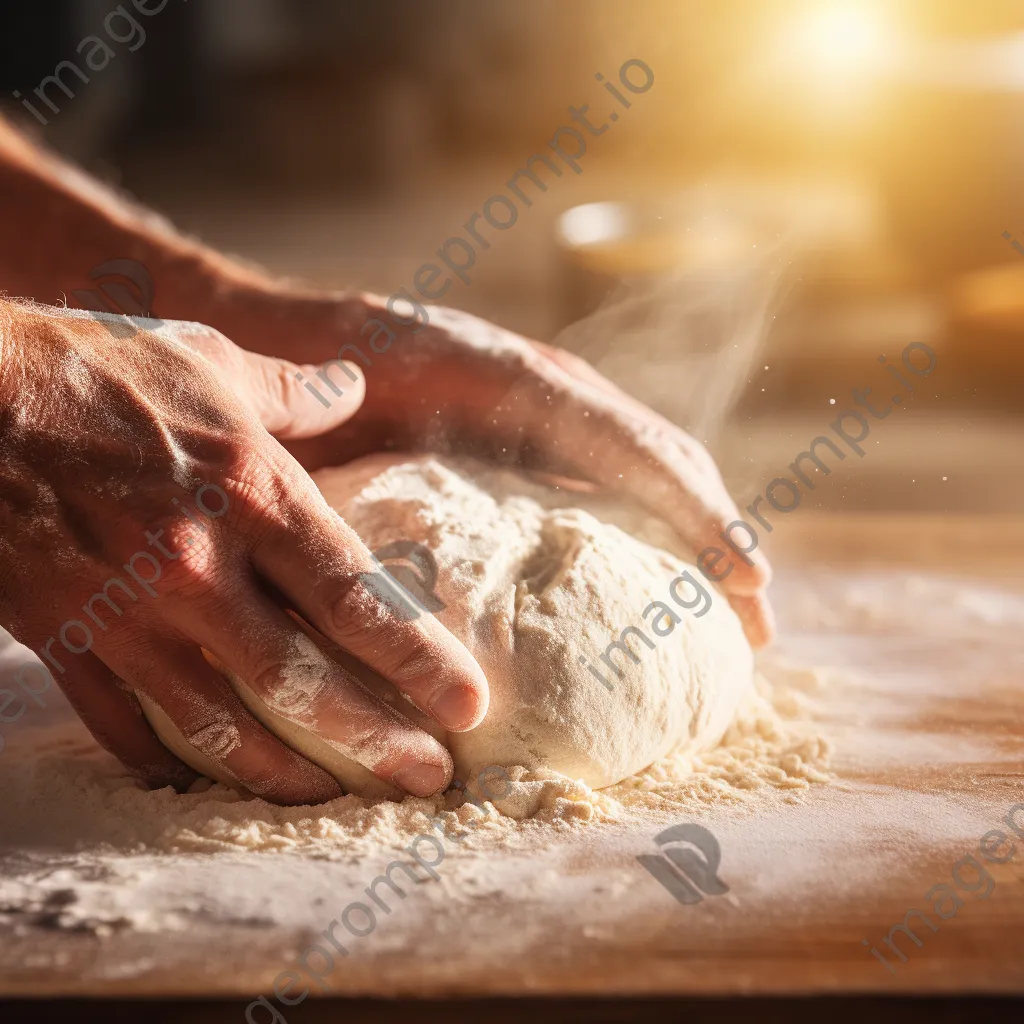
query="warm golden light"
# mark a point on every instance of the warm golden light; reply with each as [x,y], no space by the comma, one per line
[836,54]
[846,39]
[840,42]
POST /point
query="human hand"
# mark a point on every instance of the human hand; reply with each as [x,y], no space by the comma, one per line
[452,381]
[111,437]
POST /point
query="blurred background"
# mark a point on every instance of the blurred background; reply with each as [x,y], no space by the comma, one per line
[808,186]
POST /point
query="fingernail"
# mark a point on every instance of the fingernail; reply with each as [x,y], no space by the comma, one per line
[420,779]
[455,708]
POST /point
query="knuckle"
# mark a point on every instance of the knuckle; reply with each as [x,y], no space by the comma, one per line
[216,738]
[356,609]
[372,744]
[271,489]
[192,573]
[274,382]
[210,725]
[208,720]
[418,658]
[293,687]
[186,541]
[199,337]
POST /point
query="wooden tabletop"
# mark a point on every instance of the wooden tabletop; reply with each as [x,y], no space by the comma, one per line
[925,708]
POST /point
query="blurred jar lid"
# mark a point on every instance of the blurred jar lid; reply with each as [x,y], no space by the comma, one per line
[718,226]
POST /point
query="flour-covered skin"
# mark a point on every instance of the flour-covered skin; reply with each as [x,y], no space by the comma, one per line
[452,383]
[107,434]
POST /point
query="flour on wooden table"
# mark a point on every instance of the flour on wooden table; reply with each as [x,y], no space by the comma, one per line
[914,678]
[530,574]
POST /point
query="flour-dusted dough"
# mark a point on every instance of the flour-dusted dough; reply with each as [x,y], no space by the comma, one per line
[535,577]
[537,580]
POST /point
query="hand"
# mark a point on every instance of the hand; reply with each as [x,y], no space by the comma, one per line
[146,515]
[460,383]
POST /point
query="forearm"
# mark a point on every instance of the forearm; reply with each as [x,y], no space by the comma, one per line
[59,224]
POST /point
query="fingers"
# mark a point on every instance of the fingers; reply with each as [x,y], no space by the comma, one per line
[579,368]
[194,710]
[745,587]
[291,400]
[529,403]
[115,719]
[672,475]
[643,455]
[294,681]
[332,580]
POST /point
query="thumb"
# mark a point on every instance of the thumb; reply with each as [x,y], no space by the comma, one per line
[296,400]
[292,400]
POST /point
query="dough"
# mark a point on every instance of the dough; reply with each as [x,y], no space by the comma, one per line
[538,580]
[535,577]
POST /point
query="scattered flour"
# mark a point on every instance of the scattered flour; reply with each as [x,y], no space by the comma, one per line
[61,789]
[916,681]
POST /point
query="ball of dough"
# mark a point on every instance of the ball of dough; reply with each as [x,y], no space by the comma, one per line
[540,582]
[585,624]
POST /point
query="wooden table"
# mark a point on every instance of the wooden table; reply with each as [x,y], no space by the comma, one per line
[926,711]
